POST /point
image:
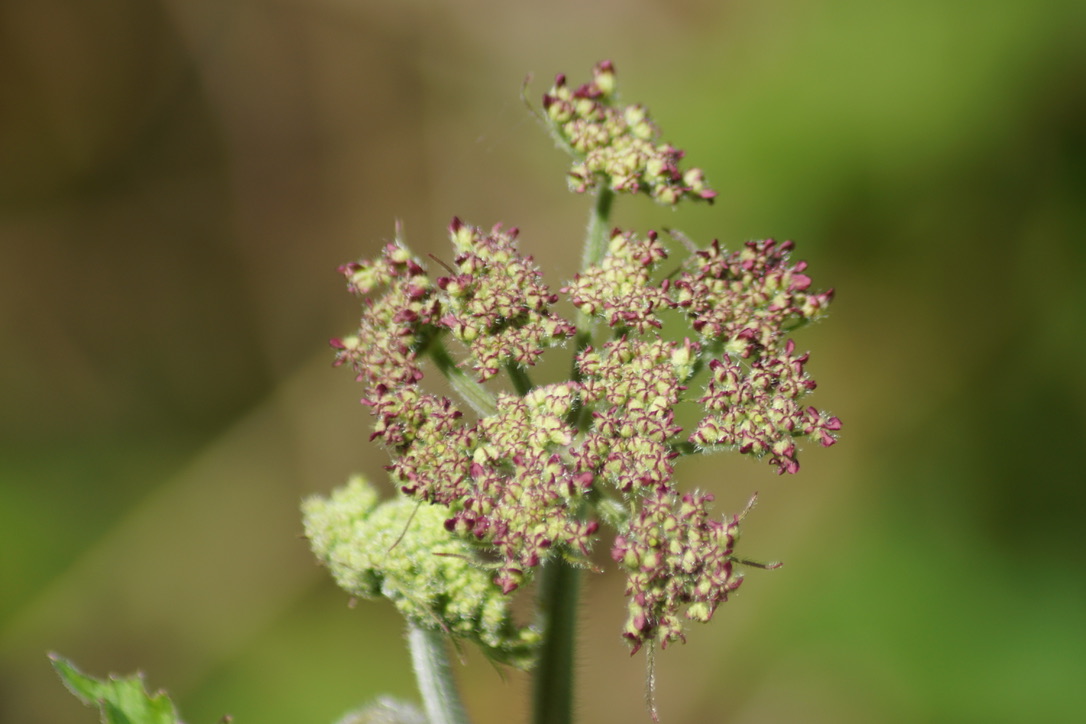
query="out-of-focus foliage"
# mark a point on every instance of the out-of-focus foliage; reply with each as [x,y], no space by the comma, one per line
[180,180]
[119,700]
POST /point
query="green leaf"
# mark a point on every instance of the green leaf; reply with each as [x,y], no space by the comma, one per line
[120,700]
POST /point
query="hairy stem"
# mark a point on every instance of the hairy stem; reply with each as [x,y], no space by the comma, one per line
[599,222]
[553,685]
[522,383]
[478,397]
[595,244]
[430,656]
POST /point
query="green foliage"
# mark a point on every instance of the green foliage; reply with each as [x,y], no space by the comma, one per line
[120,700]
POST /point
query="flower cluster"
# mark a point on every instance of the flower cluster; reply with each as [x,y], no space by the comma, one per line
[519,480]
[749,298]
[745,302]
[617,144]
[675,555]
[619,287]
[402,552]
[741,305]
[521,496]
[502,481]
[496,301]
[534,474]
[400,309]
[756,408]
[632,387]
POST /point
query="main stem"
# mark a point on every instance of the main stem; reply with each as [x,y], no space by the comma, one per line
[597,234]
[553,686]
[559,584]
[430,656]
[595,245]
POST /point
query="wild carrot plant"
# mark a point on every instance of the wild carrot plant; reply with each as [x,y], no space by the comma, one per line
[519,480]
[505,487]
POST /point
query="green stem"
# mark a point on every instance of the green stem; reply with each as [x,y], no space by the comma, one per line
[430,655]
[553,685]
[480,398]
[522,383]
[595,245]
[599,222]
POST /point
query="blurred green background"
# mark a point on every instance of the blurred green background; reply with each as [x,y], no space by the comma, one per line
[179,180]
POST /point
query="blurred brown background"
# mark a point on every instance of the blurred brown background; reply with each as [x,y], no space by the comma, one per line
[179,180]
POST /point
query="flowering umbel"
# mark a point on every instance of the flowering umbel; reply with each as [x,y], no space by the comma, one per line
[617,145]
[531,475]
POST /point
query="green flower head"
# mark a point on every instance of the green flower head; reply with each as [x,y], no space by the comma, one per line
[401,551]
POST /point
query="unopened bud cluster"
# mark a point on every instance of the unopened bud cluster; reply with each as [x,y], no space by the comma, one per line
[401,551]
[527,478]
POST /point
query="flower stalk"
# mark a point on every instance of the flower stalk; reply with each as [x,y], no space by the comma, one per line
[598,229]
[552,687]
[430,658]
